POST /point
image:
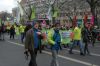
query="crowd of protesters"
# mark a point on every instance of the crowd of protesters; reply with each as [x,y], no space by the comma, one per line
[54,37]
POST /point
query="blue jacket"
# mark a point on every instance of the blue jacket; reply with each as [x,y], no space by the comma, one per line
[36,38]
[57,40]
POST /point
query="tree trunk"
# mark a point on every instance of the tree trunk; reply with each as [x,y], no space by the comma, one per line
[93,11]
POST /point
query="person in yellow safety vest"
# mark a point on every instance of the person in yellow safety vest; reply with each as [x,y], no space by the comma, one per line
[14,26]
[77,40]
[22,32]
[17,30]
[21,29]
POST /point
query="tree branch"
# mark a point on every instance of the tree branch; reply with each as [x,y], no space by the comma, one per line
[54,3]
[23,9]
[89,1]
[30,9]
[62,4]
[96,1]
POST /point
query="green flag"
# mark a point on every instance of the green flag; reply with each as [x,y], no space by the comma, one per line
[33,13]
[55,13]
[20,9]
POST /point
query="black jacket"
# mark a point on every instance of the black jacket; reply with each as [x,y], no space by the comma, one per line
[86,35]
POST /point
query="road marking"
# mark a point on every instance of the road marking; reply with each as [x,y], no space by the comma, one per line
[8,37]
[97,46]
[67,58]
[71,59]
[15,43]
[91,53]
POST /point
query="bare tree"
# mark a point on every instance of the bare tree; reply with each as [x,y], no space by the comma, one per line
[4,16]
[93,4]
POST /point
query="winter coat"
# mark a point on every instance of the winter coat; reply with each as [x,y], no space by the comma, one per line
[12,30]
[29,40]
[54,38]
[32,39]
[86,35]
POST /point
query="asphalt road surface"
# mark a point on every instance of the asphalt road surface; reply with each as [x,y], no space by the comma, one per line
[12,54]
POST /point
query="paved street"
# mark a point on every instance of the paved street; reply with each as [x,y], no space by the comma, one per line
[53,22]
[12,54]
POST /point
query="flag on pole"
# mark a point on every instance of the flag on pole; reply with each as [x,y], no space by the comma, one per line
[33,13]
[85,19]
[49,14]
[20,12]
[20,9]
[75,21]
[18,16]
[92,20]
[55,13]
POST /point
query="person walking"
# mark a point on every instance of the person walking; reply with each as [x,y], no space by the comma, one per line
[54,39]
[2,31]
[32,43]
[86,40]
[28,27]
[22,32]
[94,35]
[12,32]
[77,40]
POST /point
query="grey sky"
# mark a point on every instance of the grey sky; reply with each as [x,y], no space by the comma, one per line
[7,5]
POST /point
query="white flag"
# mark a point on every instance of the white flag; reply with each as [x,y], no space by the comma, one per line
[20,9]
[18,16]
[49,14]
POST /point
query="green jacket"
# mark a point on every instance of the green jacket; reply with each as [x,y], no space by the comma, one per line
[50,37]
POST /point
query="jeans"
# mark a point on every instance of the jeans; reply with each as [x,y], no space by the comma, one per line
[77,42]
[22,37]
[33,55]
[2,35]
[54,61]
[11,35]
[86,48]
